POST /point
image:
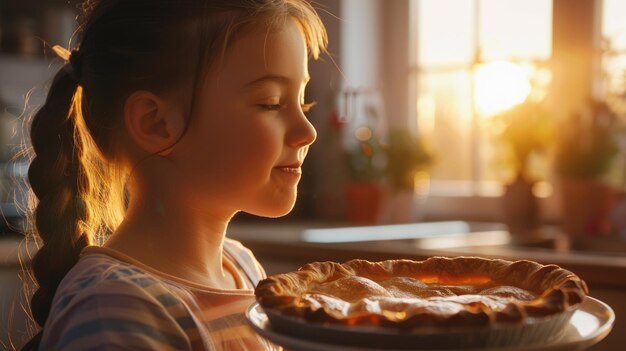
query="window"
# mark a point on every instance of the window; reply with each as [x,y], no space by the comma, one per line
[470,63]
[613,48]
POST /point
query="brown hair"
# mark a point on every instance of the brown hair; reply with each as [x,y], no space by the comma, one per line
[123,46]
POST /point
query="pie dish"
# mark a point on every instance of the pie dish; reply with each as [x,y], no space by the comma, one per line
[437,295]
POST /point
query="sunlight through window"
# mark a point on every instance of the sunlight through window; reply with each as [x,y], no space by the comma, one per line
[472,62]
[498,86]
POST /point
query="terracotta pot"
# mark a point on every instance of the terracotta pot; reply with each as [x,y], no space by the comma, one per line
[520,207]
[586,207]
[364,202]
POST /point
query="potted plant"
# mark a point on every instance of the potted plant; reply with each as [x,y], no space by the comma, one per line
[524,133]
[408,160]
[365,192]
[406,156]
[365,159]
[585,160]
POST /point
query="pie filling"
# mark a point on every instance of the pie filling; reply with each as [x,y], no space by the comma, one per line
[438,292]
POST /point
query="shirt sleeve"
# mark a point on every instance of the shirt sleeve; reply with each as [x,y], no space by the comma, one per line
[102,319]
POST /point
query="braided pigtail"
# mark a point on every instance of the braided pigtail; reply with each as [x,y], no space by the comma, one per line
[58,179]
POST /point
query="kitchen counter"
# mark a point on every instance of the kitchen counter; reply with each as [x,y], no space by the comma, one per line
[601,263]
[282,247]
[592,261]
[604,265]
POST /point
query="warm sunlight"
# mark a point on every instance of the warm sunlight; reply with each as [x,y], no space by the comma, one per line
[498,86]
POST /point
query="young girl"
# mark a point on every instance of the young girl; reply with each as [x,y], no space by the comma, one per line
[169,117]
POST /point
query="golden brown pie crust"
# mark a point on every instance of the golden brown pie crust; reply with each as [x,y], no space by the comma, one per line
[437,292]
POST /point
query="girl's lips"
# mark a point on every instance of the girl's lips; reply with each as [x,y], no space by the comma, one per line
[290,169]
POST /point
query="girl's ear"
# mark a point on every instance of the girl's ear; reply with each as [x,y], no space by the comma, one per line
[153,123]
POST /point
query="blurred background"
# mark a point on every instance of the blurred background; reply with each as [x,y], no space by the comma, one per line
[505,117]
[445,105]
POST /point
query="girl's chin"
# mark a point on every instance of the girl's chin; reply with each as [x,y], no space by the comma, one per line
[273,210]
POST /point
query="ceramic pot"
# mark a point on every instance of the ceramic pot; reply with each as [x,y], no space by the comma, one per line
[520,207]
[364,202]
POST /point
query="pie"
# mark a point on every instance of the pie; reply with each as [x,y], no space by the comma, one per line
[441,293]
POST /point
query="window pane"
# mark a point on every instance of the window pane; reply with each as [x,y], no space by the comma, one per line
[515,29]
[613,23]
[445,37]
[445,118]
[467,160]
[614,55]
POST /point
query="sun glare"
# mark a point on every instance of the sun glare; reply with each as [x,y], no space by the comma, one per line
[498,86]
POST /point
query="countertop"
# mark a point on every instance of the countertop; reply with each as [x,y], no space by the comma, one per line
[599,262]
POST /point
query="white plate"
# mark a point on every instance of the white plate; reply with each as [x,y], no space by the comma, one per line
[588,325]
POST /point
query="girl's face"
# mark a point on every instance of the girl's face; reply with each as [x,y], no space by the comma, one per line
[249,136]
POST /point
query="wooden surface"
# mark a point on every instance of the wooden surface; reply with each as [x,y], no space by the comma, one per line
[597,268]
[284,242]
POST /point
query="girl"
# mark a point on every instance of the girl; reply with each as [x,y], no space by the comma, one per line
[169,118]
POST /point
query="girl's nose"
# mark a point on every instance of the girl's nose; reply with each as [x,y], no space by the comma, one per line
[301,132]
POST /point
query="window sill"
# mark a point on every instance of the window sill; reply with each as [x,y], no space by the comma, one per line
[478,208]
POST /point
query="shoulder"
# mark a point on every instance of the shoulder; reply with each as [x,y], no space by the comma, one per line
[104,303]
[102,274]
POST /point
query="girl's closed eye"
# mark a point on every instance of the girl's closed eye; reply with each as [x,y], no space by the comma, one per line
[270,107]
[275,107]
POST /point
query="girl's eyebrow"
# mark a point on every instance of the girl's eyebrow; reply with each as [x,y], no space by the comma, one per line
[273,78]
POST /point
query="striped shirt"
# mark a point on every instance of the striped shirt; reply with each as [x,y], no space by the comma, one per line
[109,301]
